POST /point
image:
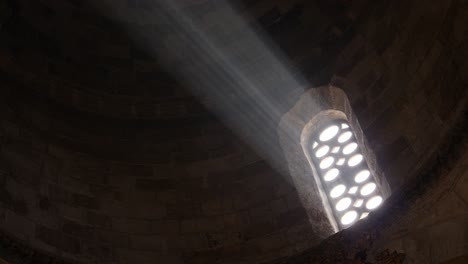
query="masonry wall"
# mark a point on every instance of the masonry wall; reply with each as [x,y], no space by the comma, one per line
[424,222]
[411,61]
[106,158]
[147,195]
[402,65]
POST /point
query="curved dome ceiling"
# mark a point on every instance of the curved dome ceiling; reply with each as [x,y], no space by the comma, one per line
[110,156]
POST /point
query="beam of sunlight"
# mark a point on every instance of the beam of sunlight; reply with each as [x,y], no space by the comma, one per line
[226,62]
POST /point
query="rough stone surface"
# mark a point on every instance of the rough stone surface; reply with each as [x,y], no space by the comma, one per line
[106,157]
[424,222]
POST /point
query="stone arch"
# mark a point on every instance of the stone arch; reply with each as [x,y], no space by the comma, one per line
[313,110]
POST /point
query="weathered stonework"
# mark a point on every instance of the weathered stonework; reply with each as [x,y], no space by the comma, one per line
[110,159]
[424,221]
[315,107]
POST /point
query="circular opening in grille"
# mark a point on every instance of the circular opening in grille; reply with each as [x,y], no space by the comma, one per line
[355,160]
[329,133]
[345,137]
[331,174]
[337,191]
[362,176]
[322,151]
[326,162]
[374,202]
[350,148]
[343,204]
[349,217]
[368,189]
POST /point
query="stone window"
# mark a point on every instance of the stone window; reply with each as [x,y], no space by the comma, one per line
[331,165]
[343,173]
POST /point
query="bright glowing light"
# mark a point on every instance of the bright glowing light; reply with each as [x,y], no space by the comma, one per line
[374,202]
[368,189]
[345,137]
[362,176]
[349,217]
[338,155]
[358,203]
[326,162]
[329,133]
[322,151]
[350,148]
[331,174]
[340,161]
[224,70]
[343,204]
[353,190]
[355,160]
[338,191]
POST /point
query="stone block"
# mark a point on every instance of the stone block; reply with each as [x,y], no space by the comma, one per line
[150,211]
[113,238]
[136,256]
[51,168]
[148,242]
[154,185]
[131,226]
[292,217]
[293,201]
[192,242]
[184,209]
[58,240]
[165,226]
[259,229]
[80,200]
[19,226]
[77,230]
[98,251]
[208,224]
[70,212]
[189,226]
[461,186]
[98,220]
[212,207]
[260,213]
[278,206]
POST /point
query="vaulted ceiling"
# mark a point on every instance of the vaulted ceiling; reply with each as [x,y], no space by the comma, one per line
[108,154]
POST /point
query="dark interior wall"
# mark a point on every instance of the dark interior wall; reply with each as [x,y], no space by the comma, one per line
[96,189]
[100,189]
[111,170]
[405,75]
[410,80]
[423,222]
[402,66]
[106,157]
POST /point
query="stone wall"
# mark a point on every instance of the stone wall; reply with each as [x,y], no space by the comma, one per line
[106,158]
[424,222]
[410,62]
[141,198]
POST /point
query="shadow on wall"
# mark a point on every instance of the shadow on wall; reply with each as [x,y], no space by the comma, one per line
[424,222]
[225,60]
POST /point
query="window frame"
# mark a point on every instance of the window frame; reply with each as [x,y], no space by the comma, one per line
[347,173]
[314,108]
